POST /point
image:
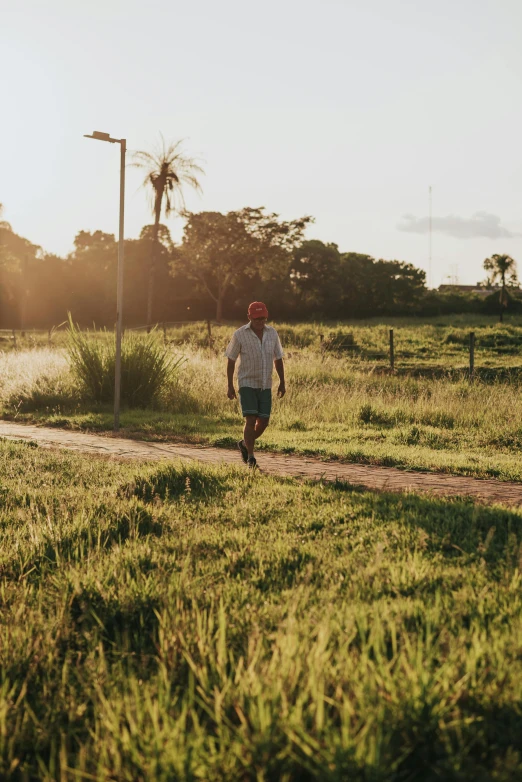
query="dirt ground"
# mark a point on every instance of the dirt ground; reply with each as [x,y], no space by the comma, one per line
[376,478]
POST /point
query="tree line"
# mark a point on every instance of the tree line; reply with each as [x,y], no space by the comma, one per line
[223,262]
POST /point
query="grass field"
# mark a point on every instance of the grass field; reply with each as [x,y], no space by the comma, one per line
[348,406]
[169,623]
[439,341]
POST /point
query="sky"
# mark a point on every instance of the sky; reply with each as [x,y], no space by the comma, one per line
[346,110]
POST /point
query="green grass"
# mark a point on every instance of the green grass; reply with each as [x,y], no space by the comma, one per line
[426,416]
[164,622]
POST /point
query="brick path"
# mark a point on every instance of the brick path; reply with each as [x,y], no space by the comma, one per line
[376,478]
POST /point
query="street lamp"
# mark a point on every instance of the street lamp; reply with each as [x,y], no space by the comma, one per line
[119,287]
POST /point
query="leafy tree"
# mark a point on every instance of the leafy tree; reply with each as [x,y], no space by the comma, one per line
[167,171]
[136,273]
[357,286]
[159,234]
[16,257]
[397,286]
[503,268]
[370,286]
[85,240]
[315,272]
[51,281]
[3,223]
[218,248]
[14,249]
[92,285]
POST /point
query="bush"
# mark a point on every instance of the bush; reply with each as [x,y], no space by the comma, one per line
[369,415]
[146,366]
[339,340]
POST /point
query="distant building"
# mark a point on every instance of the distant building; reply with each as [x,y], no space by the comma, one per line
[478,290]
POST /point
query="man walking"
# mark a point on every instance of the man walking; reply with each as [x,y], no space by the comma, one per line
[259,348]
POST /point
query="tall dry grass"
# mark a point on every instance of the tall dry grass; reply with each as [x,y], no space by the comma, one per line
[320,391]
[336,406]
[35,379]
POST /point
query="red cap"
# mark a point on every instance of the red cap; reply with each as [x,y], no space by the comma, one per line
[257,310]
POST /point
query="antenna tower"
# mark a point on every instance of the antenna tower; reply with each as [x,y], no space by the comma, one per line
[430,282]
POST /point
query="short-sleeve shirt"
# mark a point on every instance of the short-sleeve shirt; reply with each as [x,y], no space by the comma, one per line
[256,357]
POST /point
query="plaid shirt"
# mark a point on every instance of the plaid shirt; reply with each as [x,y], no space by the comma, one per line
[257,357]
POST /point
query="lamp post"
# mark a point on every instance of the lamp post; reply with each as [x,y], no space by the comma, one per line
[119,286]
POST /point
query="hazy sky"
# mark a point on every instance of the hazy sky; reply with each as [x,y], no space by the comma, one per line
[347,110]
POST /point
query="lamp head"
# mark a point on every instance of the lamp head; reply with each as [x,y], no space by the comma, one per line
[97,134]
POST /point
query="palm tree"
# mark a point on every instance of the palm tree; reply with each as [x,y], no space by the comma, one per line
[168,170]
[503,268]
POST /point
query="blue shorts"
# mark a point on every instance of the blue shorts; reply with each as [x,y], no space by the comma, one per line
[256,401]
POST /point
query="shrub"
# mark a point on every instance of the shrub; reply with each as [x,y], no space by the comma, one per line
[297,426]
[146,366]
[370,415]
[339,340]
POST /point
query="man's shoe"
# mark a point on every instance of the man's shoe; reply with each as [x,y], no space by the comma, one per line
[243,449]
[252,462]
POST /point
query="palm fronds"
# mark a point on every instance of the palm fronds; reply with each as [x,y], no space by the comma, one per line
[167,170]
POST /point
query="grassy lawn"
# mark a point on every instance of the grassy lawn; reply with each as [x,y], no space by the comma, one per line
[425,416]
[162,622]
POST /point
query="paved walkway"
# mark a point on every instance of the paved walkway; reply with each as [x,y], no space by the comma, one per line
[376,478]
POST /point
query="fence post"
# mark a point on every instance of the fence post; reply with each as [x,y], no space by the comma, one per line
[392,352]
[14,340]
[209,329]
[471,354]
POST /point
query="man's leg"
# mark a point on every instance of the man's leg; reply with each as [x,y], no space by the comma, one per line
[249,433]
[249,408]
[263,412]
[261,424]
[255,423]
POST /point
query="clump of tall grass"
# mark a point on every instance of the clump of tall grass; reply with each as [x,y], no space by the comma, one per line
[147,367]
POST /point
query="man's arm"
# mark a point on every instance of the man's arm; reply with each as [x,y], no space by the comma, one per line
[280,369]
[231,365]
[232,352]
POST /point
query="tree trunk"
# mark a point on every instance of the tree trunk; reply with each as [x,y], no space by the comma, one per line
[23,299]
[152,272]
[222,289]
[219,309]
